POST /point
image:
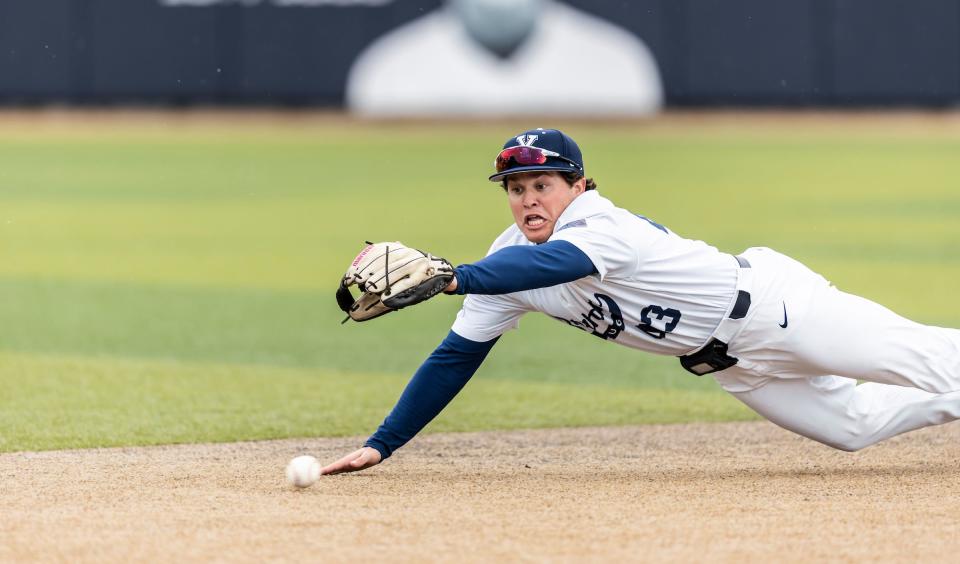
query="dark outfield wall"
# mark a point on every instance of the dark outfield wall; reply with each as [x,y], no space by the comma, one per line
[711,52]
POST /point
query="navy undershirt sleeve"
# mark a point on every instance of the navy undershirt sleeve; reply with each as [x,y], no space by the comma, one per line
[435,383]
[524,267]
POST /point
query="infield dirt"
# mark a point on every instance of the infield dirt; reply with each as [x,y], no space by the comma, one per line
[715,492]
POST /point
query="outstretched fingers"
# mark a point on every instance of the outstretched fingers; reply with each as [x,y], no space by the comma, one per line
[356,460]
[342,465]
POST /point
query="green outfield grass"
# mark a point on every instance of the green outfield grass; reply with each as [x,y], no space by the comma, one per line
[175,284]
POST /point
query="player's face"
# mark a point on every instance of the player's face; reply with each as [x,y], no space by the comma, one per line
[537,199]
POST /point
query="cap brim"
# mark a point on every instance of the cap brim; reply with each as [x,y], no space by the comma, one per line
[532,168]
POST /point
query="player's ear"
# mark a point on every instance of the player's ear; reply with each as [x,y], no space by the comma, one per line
[580,186]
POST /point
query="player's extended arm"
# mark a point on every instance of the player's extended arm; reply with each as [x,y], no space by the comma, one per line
[522,267]
[435,383]
[393,276]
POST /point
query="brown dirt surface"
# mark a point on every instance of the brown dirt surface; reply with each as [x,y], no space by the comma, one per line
[25,122]
[701,492]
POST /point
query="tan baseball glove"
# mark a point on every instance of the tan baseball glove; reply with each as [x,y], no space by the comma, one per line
[391,276]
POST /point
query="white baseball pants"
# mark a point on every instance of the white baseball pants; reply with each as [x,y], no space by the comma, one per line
[804,344]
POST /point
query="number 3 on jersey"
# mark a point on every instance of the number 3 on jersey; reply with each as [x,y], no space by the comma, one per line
[655,315]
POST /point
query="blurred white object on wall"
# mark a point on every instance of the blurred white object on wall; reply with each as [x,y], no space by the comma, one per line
[505,57]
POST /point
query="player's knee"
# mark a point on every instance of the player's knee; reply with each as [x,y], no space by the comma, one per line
[849,445]
[845,441]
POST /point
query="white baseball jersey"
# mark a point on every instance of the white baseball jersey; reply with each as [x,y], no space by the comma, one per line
[800,349]
[653,290]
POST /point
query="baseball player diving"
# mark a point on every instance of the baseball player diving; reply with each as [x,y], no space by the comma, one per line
[772,332]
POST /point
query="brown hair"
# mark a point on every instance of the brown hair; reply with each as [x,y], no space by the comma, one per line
[570,177]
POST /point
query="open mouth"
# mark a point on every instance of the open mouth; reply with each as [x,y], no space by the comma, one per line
[534,221]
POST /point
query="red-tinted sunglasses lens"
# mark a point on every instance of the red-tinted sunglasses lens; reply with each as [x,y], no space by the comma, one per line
[523,156]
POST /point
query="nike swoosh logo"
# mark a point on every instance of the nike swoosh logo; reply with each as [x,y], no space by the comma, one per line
[785,321]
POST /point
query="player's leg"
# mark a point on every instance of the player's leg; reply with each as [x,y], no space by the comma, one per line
[802,328]
[801,325]
[837,412]
[854,337]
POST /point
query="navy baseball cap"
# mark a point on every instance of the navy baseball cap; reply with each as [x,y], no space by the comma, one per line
[536,150]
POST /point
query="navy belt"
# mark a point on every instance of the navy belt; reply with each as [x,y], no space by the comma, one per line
[742,305]
[713,356]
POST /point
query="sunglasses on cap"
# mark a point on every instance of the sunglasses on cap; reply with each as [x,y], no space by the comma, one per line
[526,156]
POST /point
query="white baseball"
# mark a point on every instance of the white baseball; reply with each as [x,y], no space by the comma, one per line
[303,471]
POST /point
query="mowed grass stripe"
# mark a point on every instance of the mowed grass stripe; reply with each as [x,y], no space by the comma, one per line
[298,329]
[53,402]
[290,244]
[269,210]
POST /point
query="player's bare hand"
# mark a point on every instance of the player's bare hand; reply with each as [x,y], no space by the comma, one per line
[356,460]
